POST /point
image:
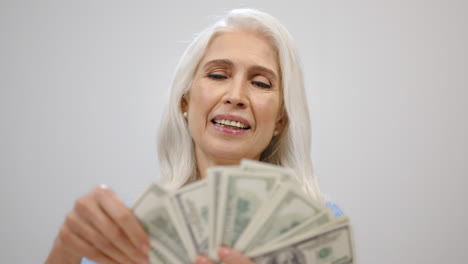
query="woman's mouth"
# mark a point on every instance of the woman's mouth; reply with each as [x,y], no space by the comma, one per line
[229,126]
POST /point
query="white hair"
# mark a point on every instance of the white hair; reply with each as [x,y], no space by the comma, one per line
[291,148]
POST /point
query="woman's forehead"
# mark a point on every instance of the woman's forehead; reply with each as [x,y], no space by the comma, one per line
[241,48]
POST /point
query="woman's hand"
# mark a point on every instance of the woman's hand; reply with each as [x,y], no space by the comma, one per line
[227,256]
[101,228]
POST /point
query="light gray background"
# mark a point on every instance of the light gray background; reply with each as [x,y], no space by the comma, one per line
[83,85]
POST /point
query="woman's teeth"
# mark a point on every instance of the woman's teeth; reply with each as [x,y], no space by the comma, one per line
[225,122]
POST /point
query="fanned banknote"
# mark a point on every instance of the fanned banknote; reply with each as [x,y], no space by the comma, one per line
[242,196]
[287,209]
[154,211]
[332,245]
[191,205]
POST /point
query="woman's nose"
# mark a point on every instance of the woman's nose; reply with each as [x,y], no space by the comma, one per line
[237,94]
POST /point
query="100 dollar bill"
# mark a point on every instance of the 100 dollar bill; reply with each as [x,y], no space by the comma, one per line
[191,206]
[243,194]
[153,209]
[332,245]
[288,208]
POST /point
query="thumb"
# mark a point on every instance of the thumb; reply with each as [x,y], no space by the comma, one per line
[232,256]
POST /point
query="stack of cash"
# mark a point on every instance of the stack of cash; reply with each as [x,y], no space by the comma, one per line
[256,208]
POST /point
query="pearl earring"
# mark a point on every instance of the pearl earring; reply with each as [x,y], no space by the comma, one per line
[185,114]
[275,133]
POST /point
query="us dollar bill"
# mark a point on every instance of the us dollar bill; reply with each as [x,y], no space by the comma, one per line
[334,222]
[191,205]
[215,184]
[289,208]
[243,194]
[285,174]
[153,209]
[214,180]
[158,255]
[310,224]
[333,245]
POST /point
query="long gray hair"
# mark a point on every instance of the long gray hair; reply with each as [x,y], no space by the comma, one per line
[291,148]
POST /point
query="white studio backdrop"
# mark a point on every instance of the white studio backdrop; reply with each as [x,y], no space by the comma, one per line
[83,85]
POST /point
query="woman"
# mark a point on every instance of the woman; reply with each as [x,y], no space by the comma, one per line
[238,93]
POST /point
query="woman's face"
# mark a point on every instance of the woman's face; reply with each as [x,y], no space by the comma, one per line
[234,103]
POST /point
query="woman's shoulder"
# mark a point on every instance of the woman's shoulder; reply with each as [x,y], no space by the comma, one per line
[86,261]
[336,210]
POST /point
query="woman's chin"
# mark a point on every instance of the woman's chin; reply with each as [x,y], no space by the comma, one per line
[231,155]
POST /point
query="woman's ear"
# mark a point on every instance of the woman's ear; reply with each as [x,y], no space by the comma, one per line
[280,123]
[184,103]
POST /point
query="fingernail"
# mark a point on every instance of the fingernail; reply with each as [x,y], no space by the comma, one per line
[224,252]
[202,260]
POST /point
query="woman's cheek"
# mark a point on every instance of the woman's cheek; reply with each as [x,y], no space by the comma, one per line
[267,108]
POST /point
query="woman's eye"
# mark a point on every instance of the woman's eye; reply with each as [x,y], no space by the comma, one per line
[261,84]
[216,76]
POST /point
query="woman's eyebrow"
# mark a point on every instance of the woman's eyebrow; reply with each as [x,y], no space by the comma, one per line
[218,62]
[270,73]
